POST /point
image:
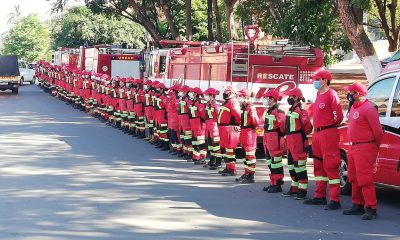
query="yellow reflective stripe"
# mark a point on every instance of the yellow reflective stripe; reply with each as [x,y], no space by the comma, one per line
[244,118]
[216,139]
[209,112]
[319,178]
[277,159]
[250,153]
[302,162]
[303,185]
[291,167]
[193,110]
[269,161]
[294,184]
[334,181]
[300,169]
[293,116]
[251,162]
[276,165]
[201,138]
[271,119]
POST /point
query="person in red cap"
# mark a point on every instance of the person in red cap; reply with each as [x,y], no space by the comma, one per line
[121,116]
[184,125]
[212,132]
[161,101]
[154,96]
[297,127]
[274,128]
[138,122]
[129,106]
[229,128]
[197,125]
[327,115]
[173,123]
[364,134]
[248,136]
[148,108]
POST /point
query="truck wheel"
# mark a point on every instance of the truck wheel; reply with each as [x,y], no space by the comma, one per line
[33,81]
[345,185]
[21,81]
[15,90]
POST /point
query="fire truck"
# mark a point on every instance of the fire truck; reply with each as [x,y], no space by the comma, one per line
[259,67]
[384,92]
[65,56]
[111,60]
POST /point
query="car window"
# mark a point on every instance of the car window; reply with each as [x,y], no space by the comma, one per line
[21,65]
[379,93]
[395,112]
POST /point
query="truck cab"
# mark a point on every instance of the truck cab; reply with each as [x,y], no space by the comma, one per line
[9,73]
[384,92]
[27,74]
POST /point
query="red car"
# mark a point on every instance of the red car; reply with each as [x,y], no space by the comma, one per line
[385,93]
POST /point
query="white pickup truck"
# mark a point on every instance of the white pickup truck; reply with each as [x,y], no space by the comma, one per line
[27,73]
[9,73]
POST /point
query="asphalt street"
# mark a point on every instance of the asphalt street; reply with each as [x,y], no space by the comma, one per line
[66,175]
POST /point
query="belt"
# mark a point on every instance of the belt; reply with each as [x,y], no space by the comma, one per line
[324,128]
[356,143]
[226,125]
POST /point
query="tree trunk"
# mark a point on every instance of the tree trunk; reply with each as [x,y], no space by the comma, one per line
[359,39]
[218,31]
[170,19]
[188,6]
[143,20]
[210,34]
[392,30]
[230,20]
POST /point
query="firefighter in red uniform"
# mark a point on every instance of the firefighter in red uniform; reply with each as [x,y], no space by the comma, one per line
[129,106]
[248,136]
[154,96]
[197,125]
[184,126]
[327,115]
[364,134]
[148,108]
[229,128]
[139,109]
[122,119]
[161,101]
[173,123]
[274,128]
[297,127]
[212,132]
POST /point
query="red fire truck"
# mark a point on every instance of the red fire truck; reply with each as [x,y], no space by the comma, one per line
[111,60]
[65,56]
[385,93]
[259,67]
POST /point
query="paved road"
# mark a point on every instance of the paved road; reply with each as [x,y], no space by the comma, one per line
[65,175]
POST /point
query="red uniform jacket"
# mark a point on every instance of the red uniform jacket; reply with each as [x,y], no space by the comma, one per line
[229,113]
[297,121]
[249,117]
[327,110]
[274,120]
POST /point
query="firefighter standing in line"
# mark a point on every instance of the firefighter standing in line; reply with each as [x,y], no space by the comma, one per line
[248,136]
[129,106]
[138,106]
[184,125]
[297,127]
[327,115]
[161,112]
[364,133]
[173,123]
[212,132]
[274,128]
[123,113]
[229,128]
[148,109]
[197,125]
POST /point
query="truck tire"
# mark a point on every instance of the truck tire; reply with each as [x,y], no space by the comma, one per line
[15,90]
[33,81]
[21,81]
[345,185]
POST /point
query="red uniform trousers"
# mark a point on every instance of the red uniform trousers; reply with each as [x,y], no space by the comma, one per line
[361,165]
[173,128]
[148,112]
[297,160]
[325,147]
[229,136]
[185,133]
[248,139]
[274,148]
[213,141]
[162,125]
[198,139]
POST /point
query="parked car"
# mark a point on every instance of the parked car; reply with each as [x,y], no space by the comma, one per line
[385,93]
[27,72]
[9,73]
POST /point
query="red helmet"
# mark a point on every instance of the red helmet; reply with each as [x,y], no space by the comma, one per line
[322,75]
[185,88]
[272,93]
[155,83]
[295,92]
[230,90]
[211,91]
[148,83]
[245,93]
[196,90]
[160,85]
[176,87]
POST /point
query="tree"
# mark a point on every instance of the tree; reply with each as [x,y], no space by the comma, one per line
[218,28]
[29,39]
[188,6]
[79,25]
[230,19]
[14,15]
[210,33]
[351,17]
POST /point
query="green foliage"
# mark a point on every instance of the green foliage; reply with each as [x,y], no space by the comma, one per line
[29,39]
[313,23]
[80,25]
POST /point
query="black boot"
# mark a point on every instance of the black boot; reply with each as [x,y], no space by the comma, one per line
[356,209]
[240,179]
[315,201]
[248,179]
[369,214]
[301,195]
[165,146]
[333,205]
[274,189]
[223,171]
